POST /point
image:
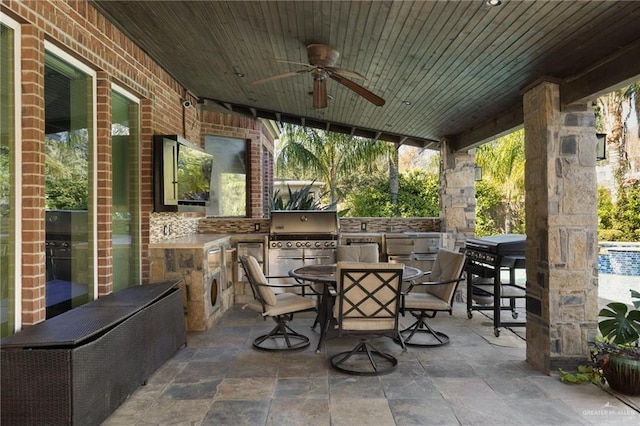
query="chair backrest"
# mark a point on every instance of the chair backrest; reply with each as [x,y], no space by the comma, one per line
[448,266]
[358,253]
[368,296]
[259,284]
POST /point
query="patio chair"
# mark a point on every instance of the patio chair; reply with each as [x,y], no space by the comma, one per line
[426,298]
[357,253]
[349,253]
[367,303]
[280,307]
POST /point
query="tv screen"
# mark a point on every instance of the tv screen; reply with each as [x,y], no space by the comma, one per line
[194,175]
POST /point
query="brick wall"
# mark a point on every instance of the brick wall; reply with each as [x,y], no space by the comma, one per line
[78,29]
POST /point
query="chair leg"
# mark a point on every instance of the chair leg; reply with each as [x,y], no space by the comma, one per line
[378,362]
[279,334]
[421,328]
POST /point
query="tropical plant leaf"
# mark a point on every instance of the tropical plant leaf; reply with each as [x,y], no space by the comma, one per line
[619,327]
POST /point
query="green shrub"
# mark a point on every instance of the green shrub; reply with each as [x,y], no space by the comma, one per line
[610,235]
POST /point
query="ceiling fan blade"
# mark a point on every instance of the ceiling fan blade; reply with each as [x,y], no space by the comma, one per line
[368,95]
[279,76]
[319,92]
[344,71]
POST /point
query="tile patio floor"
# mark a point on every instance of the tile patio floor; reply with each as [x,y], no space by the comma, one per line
[477,379]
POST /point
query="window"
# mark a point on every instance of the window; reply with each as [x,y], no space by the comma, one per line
[125,174]
[70,194]
[228,194]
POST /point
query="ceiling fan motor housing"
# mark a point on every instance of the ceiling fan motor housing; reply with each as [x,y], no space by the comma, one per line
[321,55]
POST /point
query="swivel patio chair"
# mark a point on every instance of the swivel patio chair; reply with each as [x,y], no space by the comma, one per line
[367,303]
[426,298]
[358,253]
[350,253]
[280,307]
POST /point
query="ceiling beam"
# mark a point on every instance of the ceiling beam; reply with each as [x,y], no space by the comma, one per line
[504,123]
[616,71]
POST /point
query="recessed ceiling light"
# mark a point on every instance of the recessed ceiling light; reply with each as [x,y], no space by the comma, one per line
[406,103]
[239,74]
[494,2]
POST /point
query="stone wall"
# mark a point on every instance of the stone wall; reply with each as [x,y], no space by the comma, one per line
[562,283]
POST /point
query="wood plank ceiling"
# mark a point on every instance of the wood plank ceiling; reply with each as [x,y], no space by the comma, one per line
[445,68]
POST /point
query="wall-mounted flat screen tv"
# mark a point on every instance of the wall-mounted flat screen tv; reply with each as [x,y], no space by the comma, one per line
[194,175]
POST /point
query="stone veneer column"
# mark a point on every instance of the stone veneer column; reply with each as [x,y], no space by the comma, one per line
[561,217]
[457,195]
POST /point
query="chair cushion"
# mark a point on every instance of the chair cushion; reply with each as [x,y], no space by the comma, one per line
[288,303]
[447,266]
[266,292]
[358,253]
[425,301]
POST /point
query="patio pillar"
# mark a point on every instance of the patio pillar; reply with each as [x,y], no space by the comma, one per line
[561,227]
[457,195]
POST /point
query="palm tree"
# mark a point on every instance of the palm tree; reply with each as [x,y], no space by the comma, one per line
[612,120]
[502,164]
[305,153]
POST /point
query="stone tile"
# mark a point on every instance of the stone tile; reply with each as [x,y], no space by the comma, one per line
[420,412]
[515,388]
[408,387]
[357,411]
[176,412]
[313,388]
[546,412]
[464,388]
[448,368]
[215,354]
[308,412]
[166,373]
[201,389]
[247,389]
[482,411]
[360,387]
[199,370]
[237,413]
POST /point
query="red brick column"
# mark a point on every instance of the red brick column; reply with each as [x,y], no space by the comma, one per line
[103,176]
[33,178]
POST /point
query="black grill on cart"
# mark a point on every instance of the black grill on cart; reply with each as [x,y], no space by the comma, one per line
[487,259]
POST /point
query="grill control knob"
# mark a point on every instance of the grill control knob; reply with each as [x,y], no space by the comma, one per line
[318,244]
[307,244]
[289,244]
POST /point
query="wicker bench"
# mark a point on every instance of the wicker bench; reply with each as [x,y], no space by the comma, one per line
[78,367]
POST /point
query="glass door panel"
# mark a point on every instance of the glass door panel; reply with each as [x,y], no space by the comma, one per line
[125,137]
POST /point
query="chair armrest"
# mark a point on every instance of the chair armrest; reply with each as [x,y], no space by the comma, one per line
[428,283]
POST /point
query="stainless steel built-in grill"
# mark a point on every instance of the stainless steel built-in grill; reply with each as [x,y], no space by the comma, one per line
[301,237]
[486,259]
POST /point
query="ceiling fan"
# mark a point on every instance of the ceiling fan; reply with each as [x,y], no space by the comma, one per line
[322,59]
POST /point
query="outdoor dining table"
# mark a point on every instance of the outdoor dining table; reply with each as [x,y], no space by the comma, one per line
[326,274]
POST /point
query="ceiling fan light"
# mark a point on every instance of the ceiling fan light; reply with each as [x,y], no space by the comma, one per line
[319,93]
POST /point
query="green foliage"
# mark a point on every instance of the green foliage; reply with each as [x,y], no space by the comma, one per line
[301,199]
[621,326]
[488,202]
[626,213]
[585,374]
[66,171]
[610,235]
[418,196]
[605,209]
[500,195]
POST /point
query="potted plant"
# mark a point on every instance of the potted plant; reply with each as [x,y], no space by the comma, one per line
[618,356]
[615,357]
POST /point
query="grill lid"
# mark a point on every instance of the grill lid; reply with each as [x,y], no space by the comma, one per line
[304,222]
[499,244]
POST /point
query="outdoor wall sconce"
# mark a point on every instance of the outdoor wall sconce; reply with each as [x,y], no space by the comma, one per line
[601,146]
[477,170]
